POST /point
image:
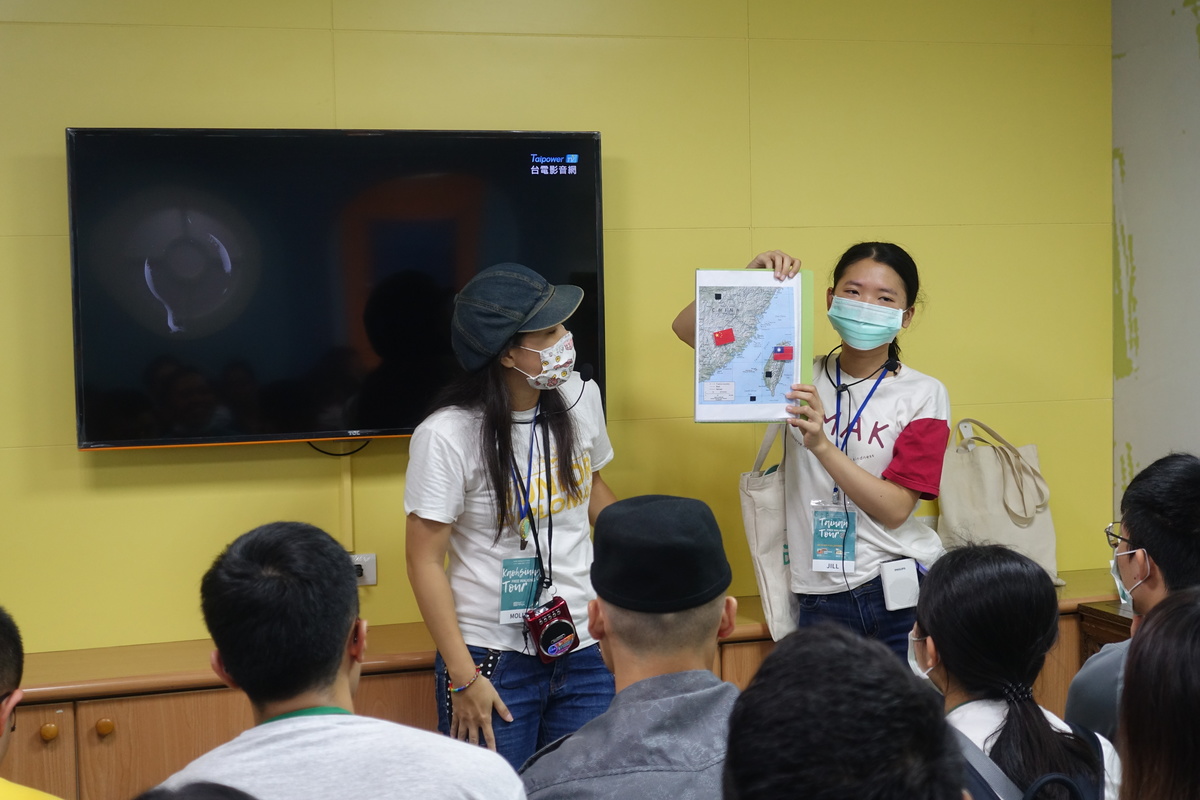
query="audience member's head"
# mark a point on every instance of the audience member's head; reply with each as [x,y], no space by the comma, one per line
[281,604]
[1159,721]
[12,665]
[834,716]
[196,791]
[1158,549]
[986,618]
[660,576]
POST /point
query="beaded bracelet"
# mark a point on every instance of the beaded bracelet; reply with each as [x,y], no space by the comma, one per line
[450,684]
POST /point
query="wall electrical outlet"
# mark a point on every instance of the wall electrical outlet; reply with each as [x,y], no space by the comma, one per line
[364,565]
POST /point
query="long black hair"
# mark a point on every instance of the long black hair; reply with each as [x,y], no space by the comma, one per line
[895,257]
[1159,701]
[993,616]
[485,392]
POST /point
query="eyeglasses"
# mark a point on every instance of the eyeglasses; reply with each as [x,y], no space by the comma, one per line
[1115,539]
[4,697]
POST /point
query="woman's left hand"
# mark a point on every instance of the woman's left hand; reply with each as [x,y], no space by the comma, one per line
[809,418]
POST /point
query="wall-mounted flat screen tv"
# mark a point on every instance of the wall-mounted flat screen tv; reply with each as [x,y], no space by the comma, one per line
[264,285]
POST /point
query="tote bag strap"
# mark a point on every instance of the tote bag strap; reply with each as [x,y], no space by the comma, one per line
[995,778]
[773,432]
[1025,489]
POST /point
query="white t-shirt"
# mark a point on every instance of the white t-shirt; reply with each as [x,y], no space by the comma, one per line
[981,721]
[901,436]
[345,755]
[447,482]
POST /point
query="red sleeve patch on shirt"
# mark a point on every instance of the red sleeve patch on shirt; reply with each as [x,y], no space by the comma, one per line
[918,455]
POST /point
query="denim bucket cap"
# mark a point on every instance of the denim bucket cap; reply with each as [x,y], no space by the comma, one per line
[500,302]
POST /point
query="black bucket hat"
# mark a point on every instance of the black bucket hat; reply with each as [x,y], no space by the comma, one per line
[659,554]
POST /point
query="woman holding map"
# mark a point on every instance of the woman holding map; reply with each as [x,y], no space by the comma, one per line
[866,444]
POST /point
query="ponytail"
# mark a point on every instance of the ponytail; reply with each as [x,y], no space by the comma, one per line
[994,615]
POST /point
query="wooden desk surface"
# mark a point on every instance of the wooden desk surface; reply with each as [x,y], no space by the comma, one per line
[1106,609]
[68,675]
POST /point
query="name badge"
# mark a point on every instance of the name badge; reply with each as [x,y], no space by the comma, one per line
[518,589]
[833,536]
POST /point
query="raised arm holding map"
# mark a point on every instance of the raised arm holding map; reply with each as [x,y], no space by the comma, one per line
[866,432]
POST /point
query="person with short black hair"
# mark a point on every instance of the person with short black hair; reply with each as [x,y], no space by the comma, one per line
[986,618]
[832,715]
[12,667]
[1159,720]
[660,575]
[1156,551]
[281,603]
[196,791]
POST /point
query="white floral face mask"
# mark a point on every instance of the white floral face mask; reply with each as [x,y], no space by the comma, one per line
[557,361]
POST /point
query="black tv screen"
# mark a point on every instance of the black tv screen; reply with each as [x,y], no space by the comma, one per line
[264,285]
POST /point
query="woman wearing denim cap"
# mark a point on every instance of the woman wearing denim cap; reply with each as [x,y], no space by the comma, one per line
[504,478]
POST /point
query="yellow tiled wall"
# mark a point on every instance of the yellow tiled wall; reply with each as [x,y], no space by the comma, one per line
[978,136]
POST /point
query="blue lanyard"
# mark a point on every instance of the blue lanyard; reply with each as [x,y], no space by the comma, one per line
[844,443]
[837,421]
[525,524]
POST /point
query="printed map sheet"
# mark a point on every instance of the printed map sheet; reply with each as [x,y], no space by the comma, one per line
[753,341]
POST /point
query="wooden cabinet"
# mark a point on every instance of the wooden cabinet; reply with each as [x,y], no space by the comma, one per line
[1062,662]
[740,660]
[126,745]
[1102,623]
[42,752]
[119,747]
[404,697]
[111,723]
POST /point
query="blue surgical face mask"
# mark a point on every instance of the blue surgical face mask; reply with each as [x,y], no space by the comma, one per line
[864,326]
[1126,595]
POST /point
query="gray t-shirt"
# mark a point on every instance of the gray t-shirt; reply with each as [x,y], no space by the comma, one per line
[1094,698]
[345,755]
[663,738]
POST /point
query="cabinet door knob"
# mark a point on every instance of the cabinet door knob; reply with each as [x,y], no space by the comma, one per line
[49,732]
[105,726]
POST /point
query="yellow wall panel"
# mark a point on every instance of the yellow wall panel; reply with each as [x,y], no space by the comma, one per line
[977,136]
[1010,313]
[671,113]
[851,133]
[677,456]
[223,13]
[710,18]
[102,76]
[649,277]
[37,396]
[1013,21]
[379,528]
[1074,441]
[108,548]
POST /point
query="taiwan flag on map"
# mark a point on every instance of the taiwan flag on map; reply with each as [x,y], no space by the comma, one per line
[782,353]
[723,337]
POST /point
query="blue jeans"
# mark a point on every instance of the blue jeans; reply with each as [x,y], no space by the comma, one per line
[547,701]
[862,610]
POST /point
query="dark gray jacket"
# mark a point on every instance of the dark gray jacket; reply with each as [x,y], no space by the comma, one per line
[663,737]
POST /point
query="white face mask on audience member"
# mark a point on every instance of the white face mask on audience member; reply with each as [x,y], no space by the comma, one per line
[915,665]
